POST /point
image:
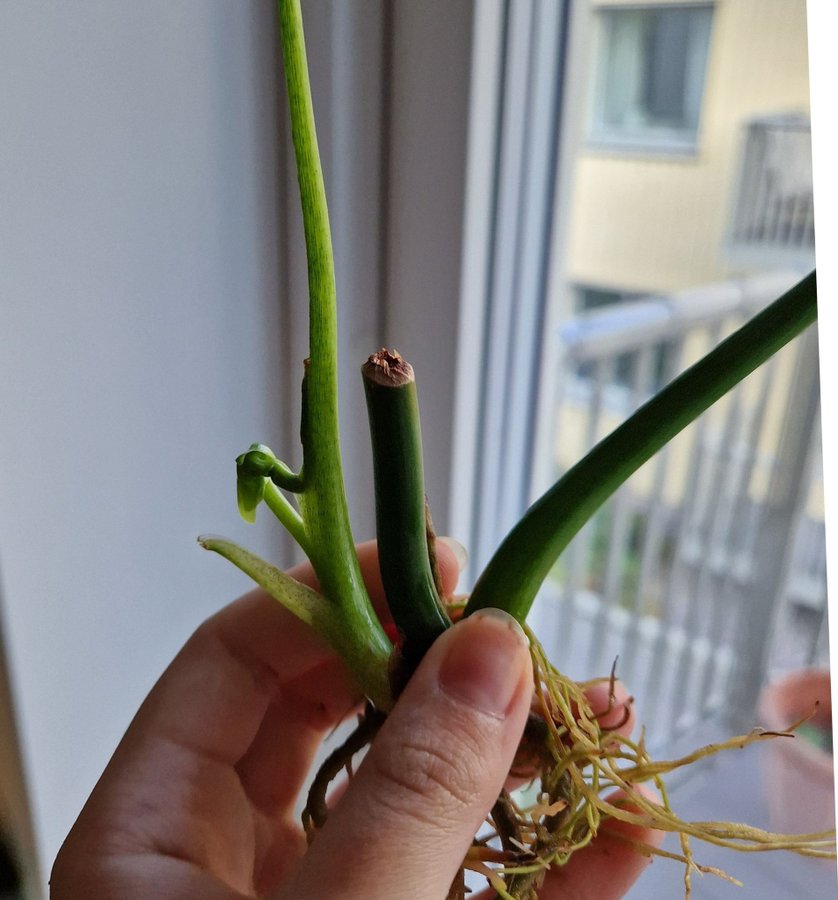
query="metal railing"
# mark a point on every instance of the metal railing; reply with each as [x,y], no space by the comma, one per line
[684,574]
[773,212]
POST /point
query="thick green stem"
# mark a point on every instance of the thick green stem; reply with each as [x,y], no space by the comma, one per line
[515,573]
[400,517]
[323,502]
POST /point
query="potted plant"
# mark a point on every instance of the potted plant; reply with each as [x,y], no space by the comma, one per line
[571,758]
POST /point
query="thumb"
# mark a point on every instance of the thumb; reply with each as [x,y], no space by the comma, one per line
[432,774]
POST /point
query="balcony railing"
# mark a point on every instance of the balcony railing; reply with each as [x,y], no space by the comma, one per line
[773,215]
[686,572]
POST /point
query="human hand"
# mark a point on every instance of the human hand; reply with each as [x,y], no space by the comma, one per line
[198,799]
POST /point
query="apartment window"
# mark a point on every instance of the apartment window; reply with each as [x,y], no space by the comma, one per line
[650,75]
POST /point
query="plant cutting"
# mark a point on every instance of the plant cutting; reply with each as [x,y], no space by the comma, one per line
[569,758]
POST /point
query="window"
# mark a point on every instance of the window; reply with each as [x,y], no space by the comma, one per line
[650,75]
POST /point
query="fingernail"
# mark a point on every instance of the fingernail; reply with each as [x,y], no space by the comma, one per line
[484,662]
[459,551]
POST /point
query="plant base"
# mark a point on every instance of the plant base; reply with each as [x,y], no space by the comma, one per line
[570,766]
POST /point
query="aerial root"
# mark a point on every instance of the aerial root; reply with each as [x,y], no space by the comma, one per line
[580,765]
[316,809]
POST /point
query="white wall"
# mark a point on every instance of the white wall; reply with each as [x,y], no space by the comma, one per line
[143,344]
[140,323]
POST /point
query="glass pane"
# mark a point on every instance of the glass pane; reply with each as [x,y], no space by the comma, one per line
[686,575]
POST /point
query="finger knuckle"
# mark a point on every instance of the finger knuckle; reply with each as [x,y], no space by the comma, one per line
[426,778]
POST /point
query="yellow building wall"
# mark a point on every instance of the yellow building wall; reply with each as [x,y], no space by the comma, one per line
[645,221]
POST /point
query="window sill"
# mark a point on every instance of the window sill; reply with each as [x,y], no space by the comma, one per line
[686,151]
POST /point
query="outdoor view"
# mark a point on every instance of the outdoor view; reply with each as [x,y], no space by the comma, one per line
[690,206]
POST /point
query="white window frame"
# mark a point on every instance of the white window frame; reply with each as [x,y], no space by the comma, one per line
[516,156]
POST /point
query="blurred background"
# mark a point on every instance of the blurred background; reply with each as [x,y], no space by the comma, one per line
[551,209]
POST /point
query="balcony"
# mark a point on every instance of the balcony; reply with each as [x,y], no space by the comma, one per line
[773,214]
[705,574]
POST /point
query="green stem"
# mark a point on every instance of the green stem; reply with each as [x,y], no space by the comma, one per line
[400,516]
[280,506]
[285,478]
[323,502]
[515,573]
